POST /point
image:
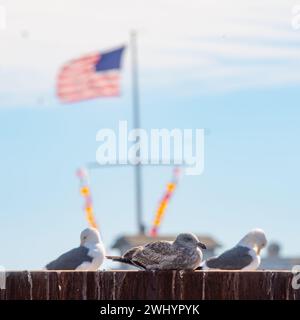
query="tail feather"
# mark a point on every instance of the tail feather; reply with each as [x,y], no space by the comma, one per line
[124,260]
[120,259]
[199,268]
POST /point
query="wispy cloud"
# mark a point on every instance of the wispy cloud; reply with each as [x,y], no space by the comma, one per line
[224,45]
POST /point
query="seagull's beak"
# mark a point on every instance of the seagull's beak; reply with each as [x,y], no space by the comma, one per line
[201,245]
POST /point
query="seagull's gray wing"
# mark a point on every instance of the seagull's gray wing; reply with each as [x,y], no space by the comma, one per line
[234,259]
[154,253]
[70,260]
[159,246]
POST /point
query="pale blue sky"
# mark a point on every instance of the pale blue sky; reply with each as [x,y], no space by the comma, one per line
[235,74]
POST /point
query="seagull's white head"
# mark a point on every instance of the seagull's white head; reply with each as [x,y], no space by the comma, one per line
[89,235]
[255,239]
[188,240]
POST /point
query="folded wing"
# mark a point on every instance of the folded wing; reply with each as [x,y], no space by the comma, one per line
[70,260]
[154,254]
[234,259]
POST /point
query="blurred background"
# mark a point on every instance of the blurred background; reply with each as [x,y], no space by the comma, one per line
[229,67]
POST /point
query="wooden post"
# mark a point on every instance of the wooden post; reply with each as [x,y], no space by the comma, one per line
[124,285]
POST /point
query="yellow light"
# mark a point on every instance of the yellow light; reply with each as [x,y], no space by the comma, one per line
[85,191]
[89,210]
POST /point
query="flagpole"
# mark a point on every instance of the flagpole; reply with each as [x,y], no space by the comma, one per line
[136,125]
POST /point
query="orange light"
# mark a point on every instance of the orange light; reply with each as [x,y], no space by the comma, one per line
[85,191]
[171,186]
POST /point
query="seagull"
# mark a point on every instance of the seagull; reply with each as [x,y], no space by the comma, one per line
[183,253]
[244,256]
[88,256]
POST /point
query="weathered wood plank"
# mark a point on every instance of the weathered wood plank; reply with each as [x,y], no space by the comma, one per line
[124,285]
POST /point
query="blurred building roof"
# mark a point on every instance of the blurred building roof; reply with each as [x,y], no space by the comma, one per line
[140,239]
[274,261]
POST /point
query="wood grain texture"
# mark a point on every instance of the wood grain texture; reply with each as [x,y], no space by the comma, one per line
[159,285]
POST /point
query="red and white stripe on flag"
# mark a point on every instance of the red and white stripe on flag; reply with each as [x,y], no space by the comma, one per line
[79,80]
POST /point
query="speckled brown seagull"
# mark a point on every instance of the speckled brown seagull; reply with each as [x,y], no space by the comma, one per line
[183,253]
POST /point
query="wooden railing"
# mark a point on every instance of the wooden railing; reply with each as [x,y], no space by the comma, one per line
[125,285]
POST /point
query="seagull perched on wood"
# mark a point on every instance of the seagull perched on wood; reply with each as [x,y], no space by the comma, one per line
[183,253]
[88,256]
[244,256]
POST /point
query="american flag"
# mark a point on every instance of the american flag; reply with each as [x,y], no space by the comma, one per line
[91,76]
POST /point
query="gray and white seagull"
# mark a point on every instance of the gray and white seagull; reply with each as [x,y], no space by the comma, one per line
[244,256]
[88,256]
[183,253]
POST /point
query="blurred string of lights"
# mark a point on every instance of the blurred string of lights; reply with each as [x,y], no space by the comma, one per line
[85,191]
[171,187]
